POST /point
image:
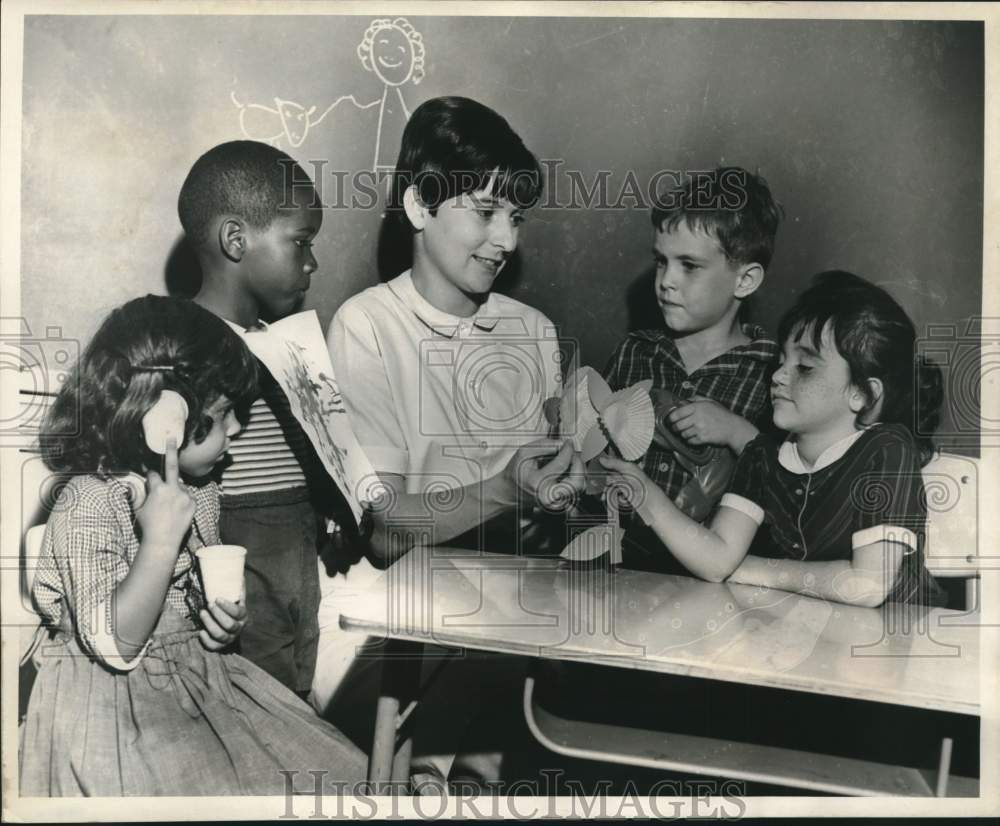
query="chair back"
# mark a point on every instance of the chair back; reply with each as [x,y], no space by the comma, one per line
[951,487]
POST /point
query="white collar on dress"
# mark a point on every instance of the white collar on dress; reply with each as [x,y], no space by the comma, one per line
[789,458]
[445,324]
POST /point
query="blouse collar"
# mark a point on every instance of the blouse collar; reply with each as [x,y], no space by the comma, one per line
[445,324]
[790,459]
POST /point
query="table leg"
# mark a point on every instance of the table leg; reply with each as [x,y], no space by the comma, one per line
[400,676]
[384,741]
[401,763]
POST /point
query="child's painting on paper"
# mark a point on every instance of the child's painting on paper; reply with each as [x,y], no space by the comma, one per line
[294,351]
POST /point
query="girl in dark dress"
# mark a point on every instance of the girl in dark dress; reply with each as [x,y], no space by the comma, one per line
[836,509]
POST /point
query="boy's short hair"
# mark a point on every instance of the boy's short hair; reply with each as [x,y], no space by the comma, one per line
[729,203]
[246,178]
[452,145]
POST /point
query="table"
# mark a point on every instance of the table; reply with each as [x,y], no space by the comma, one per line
[552,609]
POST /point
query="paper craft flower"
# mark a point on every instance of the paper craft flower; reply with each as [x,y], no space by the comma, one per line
[165,419]
[591,416]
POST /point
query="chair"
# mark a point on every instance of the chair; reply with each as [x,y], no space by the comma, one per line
[951,487]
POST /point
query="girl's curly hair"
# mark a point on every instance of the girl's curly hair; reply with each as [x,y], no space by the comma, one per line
[95,422]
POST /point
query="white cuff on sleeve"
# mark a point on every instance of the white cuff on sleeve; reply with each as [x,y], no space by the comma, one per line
[744,506]
[106,647]
[884,533]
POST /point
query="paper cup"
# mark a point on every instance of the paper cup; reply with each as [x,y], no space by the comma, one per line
[222,571]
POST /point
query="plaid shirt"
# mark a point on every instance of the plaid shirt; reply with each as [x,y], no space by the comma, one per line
[739,379]
[90,543]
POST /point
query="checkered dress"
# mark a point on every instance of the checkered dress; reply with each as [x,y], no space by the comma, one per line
[90,543]
[738,379]
[183,720]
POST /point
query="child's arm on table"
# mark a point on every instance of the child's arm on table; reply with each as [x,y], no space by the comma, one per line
[720,552]
[165,518]
[864,580]
[878,542]
[710,553]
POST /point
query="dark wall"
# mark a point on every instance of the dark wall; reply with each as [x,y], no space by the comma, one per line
[870,133]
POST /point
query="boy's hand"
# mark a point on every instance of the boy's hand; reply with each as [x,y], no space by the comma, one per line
[223,621]
[706,422]
[553,485]
[627,483]
[166,515]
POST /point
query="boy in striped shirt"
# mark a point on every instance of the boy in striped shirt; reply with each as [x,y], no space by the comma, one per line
[251,214]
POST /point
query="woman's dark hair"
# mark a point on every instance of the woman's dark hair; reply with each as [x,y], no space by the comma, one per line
[146,346]
[876,338]
[452,145]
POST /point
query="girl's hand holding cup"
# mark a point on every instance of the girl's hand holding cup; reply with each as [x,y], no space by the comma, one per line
[166,515]
[222,577]
[223,621]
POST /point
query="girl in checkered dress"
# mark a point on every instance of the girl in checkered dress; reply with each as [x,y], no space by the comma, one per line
[138,690]
[836,509]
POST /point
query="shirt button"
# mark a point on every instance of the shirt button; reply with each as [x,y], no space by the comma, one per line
[795,545]
[798,492]
[687,385]
[664,467]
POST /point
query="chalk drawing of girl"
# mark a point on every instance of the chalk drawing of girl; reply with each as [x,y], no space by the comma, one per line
[394,51]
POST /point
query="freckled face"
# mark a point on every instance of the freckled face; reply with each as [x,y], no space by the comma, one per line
[811,390]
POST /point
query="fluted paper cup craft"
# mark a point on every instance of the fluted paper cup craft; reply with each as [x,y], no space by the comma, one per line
[592,416]
[164,420]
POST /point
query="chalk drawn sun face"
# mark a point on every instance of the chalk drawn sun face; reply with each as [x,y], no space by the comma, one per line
[392,56]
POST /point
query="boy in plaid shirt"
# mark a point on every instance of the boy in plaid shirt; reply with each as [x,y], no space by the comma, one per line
[714,238]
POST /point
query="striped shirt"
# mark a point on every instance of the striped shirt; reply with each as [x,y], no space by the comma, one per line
[272,452]
[739,379]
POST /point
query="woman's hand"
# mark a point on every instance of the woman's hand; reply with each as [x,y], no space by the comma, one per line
[555,484]
[626,483]
[223,621]
[165,517]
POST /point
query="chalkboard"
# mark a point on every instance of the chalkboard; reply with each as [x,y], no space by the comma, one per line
[869,132]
